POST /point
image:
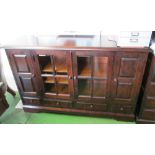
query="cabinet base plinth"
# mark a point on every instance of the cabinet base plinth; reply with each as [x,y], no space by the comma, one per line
[144,121]
[117,116]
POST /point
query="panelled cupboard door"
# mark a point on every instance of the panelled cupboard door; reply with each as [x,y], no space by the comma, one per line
[23,69]
[92,75]
[128,73]
[55,73]
[147,110]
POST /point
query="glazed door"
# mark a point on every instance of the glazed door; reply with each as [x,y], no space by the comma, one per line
[92,75]
[24,72]
[128,74]
[55,73]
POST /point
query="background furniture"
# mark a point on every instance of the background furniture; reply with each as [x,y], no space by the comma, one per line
[147,109]
[88,81]
[3,103]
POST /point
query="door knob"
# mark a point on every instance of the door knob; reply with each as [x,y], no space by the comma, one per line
[115,80]
[70,77]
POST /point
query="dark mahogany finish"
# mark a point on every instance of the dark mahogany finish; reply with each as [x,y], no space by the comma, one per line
[147,109]
[88,81]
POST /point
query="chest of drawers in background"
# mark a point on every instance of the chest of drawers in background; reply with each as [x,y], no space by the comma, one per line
[134,38]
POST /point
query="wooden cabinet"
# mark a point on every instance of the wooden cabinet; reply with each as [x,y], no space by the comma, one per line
[91,81]
[147,109]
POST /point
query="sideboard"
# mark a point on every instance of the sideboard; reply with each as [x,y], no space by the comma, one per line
[147,108]
[94,81]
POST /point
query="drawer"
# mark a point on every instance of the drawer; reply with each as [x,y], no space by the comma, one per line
[139,34]
[122,109]
[31,101]
[83,106]
[148,114]
[134,42]
[149,103]
[90,106]
[59,104]
[100,107]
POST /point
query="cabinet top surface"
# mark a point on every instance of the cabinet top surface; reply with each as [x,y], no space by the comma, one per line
[66,42]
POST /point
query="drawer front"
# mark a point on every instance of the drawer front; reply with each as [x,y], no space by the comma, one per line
[144,34]
[134,42]
[122,109]
[149,103]
[148,114]
[58,104]
[31,101]
[90,106]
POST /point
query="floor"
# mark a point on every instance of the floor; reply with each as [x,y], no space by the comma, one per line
[18,116]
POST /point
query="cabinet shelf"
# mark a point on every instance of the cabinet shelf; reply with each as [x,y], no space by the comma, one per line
[49,80]
[85,71]
[60,89]
[47,68]
[62,80]
[59,80]
[59,69]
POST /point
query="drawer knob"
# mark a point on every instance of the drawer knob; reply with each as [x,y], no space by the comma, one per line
[70,77]
[115,80]
[121,109]
[91,106]
[57,103]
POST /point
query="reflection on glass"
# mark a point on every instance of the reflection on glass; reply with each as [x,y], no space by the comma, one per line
[62,89]
[100,66]
[60,64]
[84,66]
[99,88]
[50,88]
[84,87]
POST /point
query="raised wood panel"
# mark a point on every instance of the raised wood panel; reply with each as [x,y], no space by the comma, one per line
[27,84]
[124,90]
[151,90]
[21,63]
[128,67]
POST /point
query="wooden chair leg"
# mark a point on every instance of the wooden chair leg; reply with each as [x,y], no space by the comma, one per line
[11,91]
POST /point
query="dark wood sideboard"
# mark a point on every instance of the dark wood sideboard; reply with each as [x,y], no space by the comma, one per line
[84,81]
[147,109]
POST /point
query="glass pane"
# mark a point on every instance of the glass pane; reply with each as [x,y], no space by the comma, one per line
[62,89]
[61,80]
[50,88]
[84,87]
[99,88]
[100,66]
[60,64]
[45,64]
[84,66]
[48,79]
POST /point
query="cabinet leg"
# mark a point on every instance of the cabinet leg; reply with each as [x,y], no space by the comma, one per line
[11,91]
